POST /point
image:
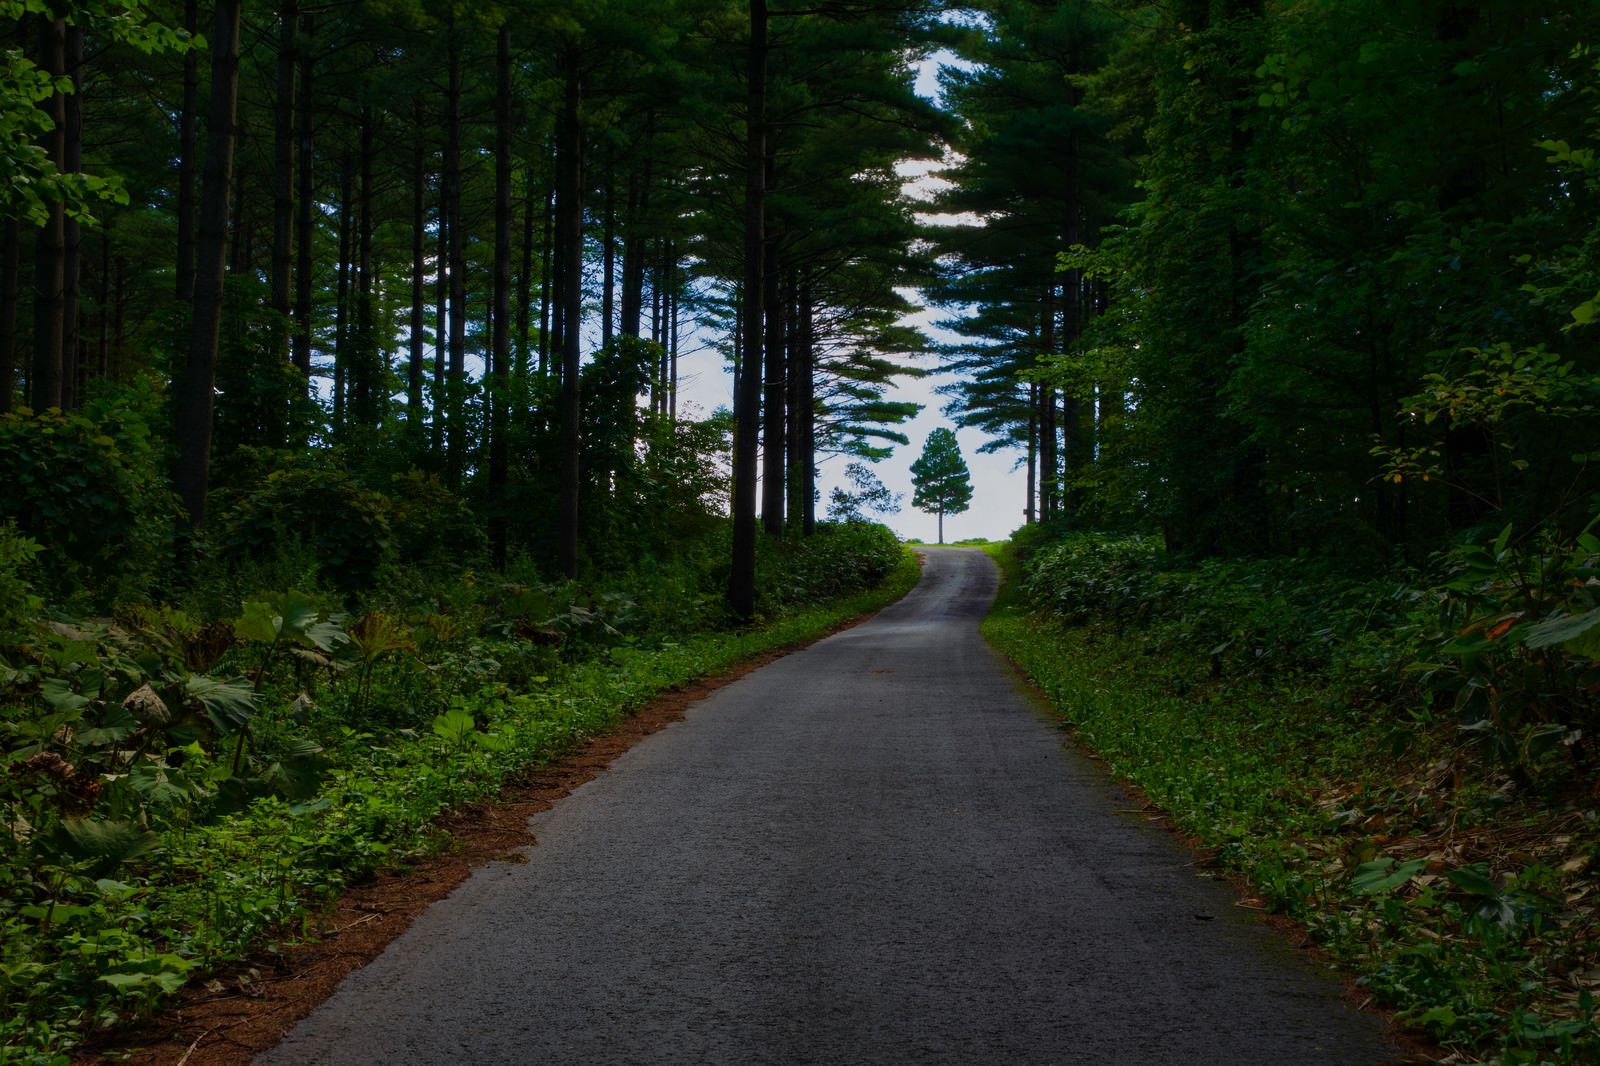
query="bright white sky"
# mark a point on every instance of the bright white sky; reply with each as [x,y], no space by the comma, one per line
[999,488]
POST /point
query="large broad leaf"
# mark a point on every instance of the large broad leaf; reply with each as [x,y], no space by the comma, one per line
[259,621]
[60,696]
[1382,875]
[229,704]
[118,724]
[290,616]
[1474,880]
[105,844]
[302,623]
[1578,633]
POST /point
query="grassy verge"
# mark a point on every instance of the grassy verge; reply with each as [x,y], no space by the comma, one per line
[1465,905]
[109,947]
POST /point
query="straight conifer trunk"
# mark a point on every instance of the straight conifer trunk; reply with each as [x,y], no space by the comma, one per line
[49,246]
[500,393]
[283,133]
[187,121]
[774,421]
[305,197]
[455,378]
[71,229]
[415,363]
[569,239]
[199,380]
[10,275]
[747,401]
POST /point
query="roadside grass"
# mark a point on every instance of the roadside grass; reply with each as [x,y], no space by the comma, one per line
[110,948]
[1465,903]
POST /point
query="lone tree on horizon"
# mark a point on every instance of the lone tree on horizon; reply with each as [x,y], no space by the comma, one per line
[940,478]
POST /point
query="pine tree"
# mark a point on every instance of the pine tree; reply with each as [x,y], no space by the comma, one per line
[940,478]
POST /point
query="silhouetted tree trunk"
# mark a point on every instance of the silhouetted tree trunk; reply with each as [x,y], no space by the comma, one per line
[71,229]
[569,232]
[500,356]
[455,460]
[283,132]
[199,379]
[774,420]
[416,366]
[305,214]
[747,401]
[50,244]
[10,276]
[187,120]
[341,303]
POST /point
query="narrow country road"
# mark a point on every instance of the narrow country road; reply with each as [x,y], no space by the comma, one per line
[874,851]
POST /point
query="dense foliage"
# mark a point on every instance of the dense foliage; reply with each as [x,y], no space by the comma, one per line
[1422,804]
[1265,276]
[181,787]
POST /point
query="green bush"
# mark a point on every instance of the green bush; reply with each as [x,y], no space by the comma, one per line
[839,558]
[90,487]
[17,601]
[431,524]
[346,525]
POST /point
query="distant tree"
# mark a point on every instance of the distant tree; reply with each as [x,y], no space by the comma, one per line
[940,478]
[866,493]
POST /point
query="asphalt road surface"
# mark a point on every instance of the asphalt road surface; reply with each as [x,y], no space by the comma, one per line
[874,851]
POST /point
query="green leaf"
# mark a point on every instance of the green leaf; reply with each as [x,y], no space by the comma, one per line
[229,704]
[1473,880]
[59,695]
[1382,875]
[1563,630]
[453,726]
[118,724]
[105,842]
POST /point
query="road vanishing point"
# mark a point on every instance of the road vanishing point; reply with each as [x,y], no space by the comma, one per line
[880,850]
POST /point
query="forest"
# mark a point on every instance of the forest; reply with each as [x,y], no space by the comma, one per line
[340,429]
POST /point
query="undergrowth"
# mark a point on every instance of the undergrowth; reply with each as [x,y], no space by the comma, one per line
[1457,886]
[178,792]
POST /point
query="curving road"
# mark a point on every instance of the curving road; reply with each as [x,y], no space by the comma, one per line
[874,851]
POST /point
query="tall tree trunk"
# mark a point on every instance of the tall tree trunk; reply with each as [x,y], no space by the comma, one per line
[305,204]
[635,247]
[608,247]
[796,412]
[806,419]
[569,227]
[500,356]
[367,364]
[547,282]
[341,304]
[10,276]
[441,323]
[416,365]
[747,402]
[188,118]
[49,245]
[71,230]
[1030,508]
[525,280]
[455,460]
[1049,466]
[283,114]
[199,380]
[774,416]
[672,376]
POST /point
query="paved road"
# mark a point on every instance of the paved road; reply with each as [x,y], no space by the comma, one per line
[874,851]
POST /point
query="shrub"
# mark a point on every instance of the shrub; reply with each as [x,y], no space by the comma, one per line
[89,487]
[346,525]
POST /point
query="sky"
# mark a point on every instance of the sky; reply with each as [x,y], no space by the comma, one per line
[999,486]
